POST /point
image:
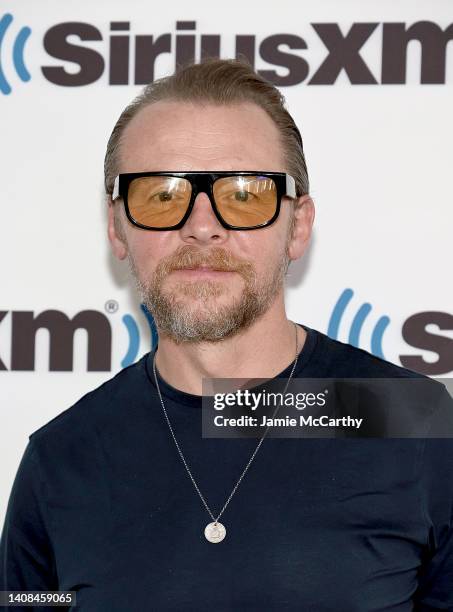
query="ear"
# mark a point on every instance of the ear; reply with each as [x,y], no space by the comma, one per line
[304,215]
[116,237]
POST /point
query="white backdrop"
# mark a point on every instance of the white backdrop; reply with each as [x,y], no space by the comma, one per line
[379,159]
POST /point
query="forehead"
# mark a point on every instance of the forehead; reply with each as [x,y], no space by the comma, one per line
[188,136]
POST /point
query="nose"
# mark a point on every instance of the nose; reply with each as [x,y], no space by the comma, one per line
[202,226]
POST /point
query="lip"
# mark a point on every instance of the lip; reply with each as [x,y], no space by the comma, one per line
[203,272]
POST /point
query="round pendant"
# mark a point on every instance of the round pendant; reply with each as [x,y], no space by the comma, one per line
[215,532]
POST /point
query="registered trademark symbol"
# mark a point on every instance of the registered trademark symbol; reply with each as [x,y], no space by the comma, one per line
[111,306]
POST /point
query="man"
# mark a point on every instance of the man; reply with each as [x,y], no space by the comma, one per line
[121,500]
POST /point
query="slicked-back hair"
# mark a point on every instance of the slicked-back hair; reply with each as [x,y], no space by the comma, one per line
[218,82]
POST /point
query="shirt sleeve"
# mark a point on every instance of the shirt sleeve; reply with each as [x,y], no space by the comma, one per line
[435,591]
[26,557]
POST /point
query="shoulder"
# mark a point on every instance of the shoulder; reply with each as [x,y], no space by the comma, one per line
[423,396]
[98,407]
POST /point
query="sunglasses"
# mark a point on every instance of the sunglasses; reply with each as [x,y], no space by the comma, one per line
[240,200]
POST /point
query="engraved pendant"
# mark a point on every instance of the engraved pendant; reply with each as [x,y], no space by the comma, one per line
[215,532]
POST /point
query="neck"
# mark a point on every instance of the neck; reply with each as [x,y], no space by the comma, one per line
[263,350]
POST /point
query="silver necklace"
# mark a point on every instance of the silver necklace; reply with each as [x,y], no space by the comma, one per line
[215,532]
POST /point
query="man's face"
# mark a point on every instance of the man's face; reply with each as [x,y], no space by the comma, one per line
[204,282]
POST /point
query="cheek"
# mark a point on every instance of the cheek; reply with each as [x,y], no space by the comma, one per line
[264,252]
[267,244]
[145,250]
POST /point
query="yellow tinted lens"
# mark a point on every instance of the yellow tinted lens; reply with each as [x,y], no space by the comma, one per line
[245,201]
[159,201]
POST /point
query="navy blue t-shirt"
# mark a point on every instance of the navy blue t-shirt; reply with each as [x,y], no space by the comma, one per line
[102,505]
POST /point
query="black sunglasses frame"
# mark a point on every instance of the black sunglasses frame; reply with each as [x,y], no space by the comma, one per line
[203,182]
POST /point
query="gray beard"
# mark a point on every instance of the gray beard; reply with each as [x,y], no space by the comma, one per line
[205,321]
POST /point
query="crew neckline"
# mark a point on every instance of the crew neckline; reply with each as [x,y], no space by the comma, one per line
[195,401]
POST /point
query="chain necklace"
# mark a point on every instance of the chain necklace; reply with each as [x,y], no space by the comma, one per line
[215,532]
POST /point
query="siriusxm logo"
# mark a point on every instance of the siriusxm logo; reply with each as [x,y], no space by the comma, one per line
[17,52]
[126,58]
[417,332]
[61,329]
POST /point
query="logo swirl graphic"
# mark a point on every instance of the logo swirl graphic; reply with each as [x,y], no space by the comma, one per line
[357,323]
[134,336]
[18,53]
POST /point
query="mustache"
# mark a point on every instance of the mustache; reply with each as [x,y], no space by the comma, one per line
[217,258]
